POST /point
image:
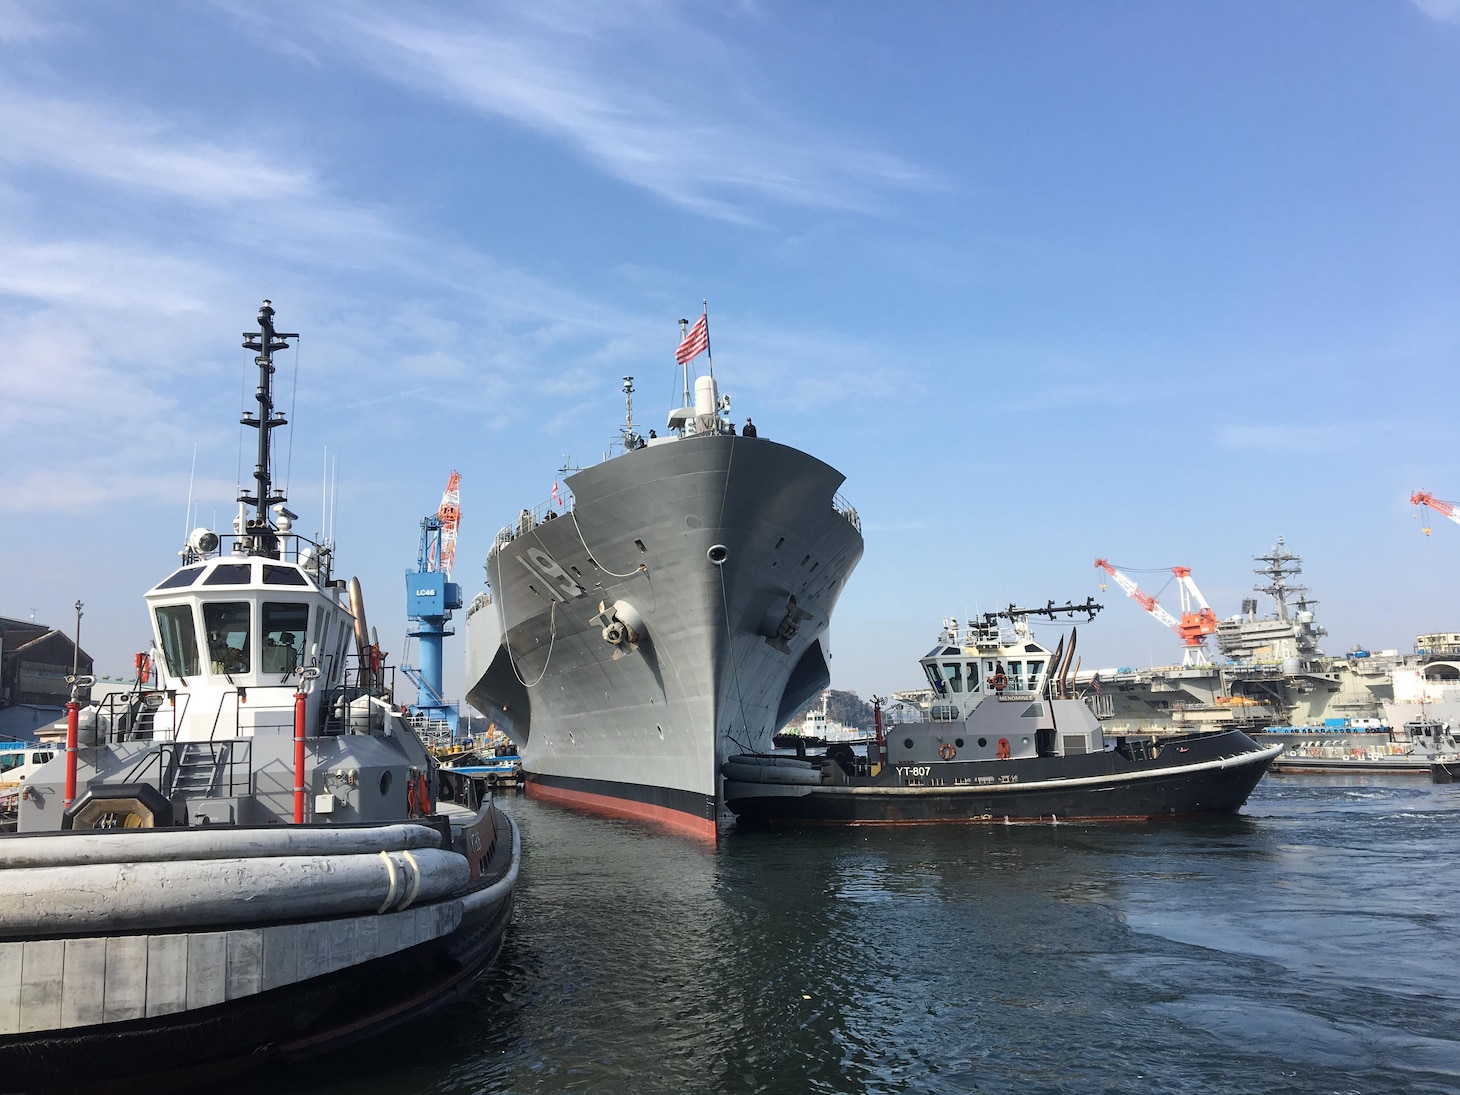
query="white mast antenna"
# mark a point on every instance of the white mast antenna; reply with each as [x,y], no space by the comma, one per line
[188,512]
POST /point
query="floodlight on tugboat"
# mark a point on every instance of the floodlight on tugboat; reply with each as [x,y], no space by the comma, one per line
[203,541]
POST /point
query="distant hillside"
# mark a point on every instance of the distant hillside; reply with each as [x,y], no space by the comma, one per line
[849,709]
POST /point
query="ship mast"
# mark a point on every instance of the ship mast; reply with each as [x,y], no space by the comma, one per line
[262,539]
[1281,565]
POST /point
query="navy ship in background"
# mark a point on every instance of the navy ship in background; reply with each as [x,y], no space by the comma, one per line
[1273,672]
[670,611]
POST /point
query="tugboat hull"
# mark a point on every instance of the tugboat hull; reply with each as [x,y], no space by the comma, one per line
[97,1008]
[1211,776]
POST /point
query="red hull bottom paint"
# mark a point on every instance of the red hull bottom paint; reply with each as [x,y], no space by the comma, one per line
[608,806]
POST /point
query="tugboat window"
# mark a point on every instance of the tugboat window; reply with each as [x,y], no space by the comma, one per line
[1034,670]
[933,677]
[179,640]
[974,682]
[955,677]
[282,576]
[185,577]
[283,634]
[229,574]
[227,623]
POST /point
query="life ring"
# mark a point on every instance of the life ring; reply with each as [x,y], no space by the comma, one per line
[999,682]
[1003,748]
[946,751]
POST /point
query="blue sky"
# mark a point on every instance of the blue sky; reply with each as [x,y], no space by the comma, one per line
[1155,281]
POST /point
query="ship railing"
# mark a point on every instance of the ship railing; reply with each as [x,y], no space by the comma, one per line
[847,510]
[529,519]
[141,714]
[161,767]
[314,556]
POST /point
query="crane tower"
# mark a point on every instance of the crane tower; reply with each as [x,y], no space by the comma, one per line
[431,597]
[1196,623]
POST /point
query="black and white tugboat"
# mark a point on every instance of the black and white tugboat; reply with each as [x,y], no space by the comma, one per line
[1001,739]
[246,863]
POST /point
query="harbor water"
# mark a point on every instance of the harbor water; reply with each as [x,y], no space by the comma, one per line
[1308,945]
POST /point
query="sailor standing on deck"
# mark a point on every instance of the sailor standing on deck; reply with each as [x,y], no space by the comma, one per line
[749,430]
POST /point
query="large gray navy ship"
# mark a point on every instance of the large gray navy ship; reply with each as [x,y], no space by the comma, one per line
[670,610]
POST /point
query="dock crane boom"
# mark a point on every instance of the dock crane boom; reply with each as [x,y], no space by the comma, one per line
[1197,619]
[1439,505]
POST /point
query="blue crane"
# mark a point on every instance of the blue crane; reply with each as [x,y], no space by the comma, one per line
[431,596]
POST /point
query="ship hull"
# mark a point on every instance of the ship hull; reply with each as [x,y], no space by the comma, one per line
[1207,775]
[697,547]
[119,1009]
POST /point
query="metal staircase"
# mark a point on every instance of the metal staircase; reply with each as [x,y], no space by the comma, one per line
[200,769]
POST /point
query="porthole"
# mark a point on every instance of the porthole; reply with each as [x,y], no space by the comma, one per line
[983,743]
[907,743]
[385,782]
[958,742]
[1024,740]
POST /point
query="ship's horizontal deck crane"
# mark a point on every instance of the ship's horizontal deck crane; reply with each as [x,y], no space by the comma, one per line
[1439,505]
[1197,619]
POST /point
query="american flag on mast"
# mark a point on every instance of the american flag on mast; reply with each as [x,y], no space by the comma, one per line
[694,343]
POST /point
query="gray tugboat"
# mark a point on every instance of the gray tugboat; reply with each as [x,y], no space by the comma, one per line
[1003,739]
[248,861]
[672,612]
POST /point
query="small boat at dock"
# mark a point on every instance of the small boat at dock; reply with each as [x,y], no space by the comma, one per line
[1003,740]
[1411,749]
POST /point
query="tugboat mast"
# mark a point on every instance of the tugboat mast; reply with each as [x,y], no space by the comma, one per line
[260,530]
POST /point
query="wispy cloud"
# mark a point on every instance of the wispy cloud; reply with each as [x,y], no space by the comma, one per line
[135,150]
[19,23]
[1287,438]
[621,88]
[1446,11]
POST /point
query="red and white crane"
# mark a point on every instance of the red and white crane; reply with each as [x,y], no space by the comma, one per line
[1439,505]
[1197,619]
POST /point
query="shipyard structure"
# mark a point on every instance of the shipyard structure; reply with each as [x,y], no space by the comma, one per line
[1275,673]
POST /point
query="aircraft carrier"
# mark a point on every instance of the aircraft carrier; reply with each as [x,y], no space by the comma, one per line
[669,610]
[1275,674]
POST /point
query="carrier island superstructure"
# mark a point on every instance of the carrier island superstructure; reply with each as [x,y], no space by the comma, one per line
[672,610]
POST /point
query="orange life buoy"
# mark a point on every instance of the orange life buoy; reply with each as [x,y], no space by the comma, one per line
[999,682]
[1003,748]
[946,751]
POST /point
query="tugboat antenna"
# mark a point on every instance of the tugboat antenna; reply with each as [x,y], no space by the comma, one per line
[266,342]
[1049,611]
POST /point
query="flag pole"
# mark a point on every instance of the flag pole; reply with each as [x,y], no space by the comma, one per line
[709,357]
